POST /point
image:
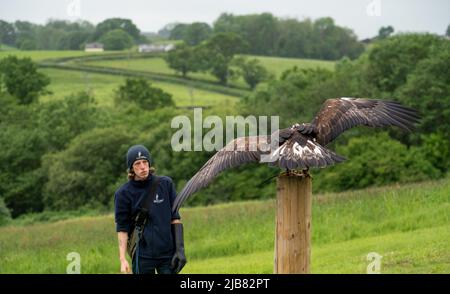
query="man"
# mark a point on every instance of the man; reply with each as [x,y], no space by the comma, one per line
[161,247]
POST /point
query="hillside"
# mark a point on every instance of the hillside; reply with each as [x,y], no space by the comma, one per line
[408,225]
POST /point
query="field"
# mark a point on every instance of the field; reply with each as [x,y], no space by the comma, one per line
[408,225]
[275,65]
[65,82]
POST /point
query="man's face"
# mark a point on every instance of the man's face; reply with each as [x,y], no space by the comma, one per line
[141,169]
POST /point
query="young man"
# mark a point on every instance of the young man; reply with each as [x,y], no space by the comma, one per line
[161,247]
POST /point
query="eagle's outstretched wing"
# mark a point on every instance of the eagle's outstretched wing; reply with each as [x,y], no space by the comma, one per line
[239,151]
[338,115]
[291,150]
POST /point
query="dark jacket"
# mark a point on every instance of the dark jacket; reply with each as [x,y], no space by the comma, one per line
[157,241]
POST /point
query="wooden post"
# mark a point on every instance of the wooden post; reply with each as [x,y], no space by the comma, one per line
[293,224]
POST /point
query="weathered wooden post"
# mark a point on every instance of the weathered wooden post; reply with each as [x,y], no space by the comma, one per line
[293,224]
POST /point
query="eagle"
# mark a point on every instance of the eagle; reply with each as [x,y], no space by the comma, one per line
[302,146]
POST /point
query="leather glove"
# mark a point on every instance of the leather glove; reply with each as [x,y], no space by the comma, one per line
[178,259]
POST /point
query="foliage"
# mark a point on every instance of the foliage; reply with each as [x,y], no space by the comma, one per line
[218,52]
[192,34]
[376,160]
[385,32]
[113,24]
[143,94]
[116,39]
[7,33]
[252,71]
[84,174]
[293,97]
[183,59]
[21,79]
[268,35]
[391,60]
[62,120]
[5,215]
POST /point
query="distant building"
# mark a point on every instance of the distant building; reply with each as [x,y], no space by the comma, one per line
[146,48]
[93,47]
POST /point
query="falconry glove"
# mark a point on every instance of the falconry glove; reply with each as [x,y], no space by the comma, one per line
[178,259]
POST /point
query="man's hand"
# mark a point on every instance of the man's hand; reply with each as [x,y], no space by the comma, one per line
[178,259]
[124,267]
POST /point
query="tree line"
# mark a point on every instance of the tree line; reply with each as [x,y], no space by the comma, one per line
[271,36]
[264,33]
[114,33]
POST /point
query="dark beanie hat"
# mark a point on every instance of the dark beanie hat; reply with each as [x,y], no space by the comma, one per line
[138,152]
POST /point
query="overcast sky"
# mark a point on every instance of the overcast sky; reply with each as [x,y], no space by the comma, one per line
[364,17]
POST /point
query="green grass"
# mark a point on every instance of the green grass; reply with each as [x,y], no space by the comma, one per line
[102,87]
[153,65]
[408,225]
[276,65]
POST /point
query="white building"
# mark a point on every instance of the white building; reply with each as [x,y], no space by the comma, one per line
[146,48]
[93,47]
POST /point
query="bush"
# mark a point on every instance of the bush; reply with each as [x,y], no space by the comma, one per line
[5,215]
[21,79]
[117,39]
[375,160]
[84,174]
[143,94]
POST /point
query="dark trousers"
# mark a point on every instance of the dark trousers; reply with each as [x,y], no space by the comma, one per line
[149,265]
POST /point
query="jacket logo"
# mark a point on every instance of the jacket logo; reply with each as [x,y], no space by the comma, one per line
[157,200]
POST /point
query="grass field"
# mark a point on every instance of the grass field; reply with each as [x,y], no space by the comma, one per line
[408,225]
[65,82]
[275,65]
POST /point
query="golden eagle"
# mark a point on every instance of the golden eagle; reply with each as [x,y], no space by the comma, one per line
[303,145]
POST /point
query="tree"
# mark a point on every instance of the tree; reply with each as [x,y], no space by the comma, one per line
[7,33]
[251,70]
[178,31]
[427,88]
[447,33]
[62,120]
[22,80]
[392,59]
[182,59]
[117,40]
[166,30]
[268,35]
[26,35]
[86,172]
[196,32]
[219,51]
[385,32]
[143,94]
[114,24]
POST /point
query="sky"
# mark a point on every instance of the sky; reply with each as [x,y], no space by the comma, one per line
[364,17]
